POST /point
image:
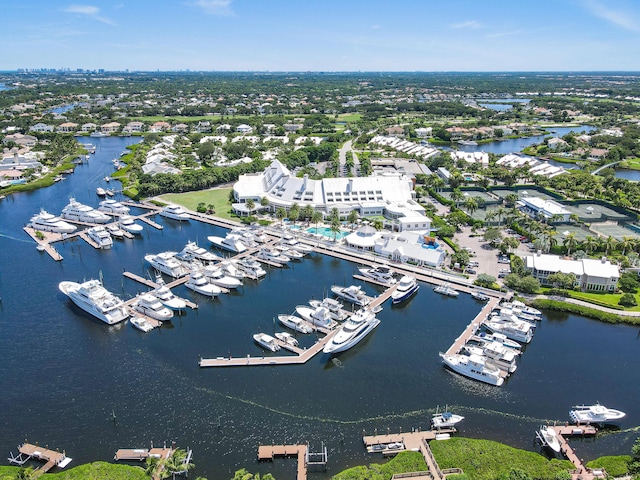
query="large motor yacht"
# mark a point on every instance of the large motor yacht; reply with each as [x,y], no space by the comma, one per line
[446,289]
[292,242]
[475,367]
[502,357]
[46,222]
[216,276]
[352,331]
[273,256]
[407,287]
[128,224]
[93,298]
[595,414]
[251,267]
[320,316]
[192,250]
[150,306]
[231,243]
[380,274]
[166,296]
[198,283]
[175,212]
[112,206]
[353,294]
[519,330]
[100,236]
[166,263]
[76,211]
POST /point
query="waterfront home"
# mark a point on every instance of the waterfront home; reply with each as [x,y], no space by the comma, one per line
[244,128]
[424,132]
[67,127]
[481,158]
[591,274]
[134,127]
[88,127]
[416,248]
[41,127]
[111,127]
[20,139]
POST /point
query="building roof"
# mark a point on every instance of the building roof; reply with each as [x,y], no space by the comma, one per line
[591,267]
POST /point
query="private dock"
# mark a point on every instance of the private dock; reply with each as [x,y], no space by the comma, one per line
[45,242]
[306,459]
[141,454]
[151,284]
[473,327]
[580,472]
[52,458]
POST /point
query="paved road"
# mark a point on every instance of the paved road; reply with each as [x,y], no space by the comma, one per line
[342,156]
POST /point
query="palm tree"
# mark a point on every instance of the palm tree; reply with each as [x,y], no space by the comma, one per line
[471,204]
[294,213]
[156,468]
[352,218]
[455,196]
[264,202]
[307,212]
[316,218]
[589,244]
[609,244]
[281,213]
[177,462]
[570,242]
[335,227]
[334,214]
[490,215]
[378,224]
[500,213]
[251,205]
[627,242]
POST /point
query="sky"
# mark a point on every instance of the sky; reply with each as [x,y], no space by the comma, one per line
[321,35]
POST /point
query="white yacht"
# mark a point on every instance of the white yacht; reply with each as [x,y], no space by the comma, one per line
[150,306]
[475,367]
[549,438]
[353,294]
[215,275]
[273,256]
[334,307]
[320,317]
[101,192]
[78,212]
[512,313]
[445,419]
[292,242]
[287,338]
[141,324]
[198,283]
[478,295]
[381,274]
[192,249]
[522,307]
[295,323]
[231,243]
[266,341]
[114,230]
[166,263]
[445,289]
[258,234]
[175,212]
[230,268]
[352,331]
[519,331]
[46,222]
[594,414]
[407,287]
[484,337]
[289,252]
[112,206]
[166,296]
[93,298]
[100,236]
[128,224]
[503,358]
[251,267]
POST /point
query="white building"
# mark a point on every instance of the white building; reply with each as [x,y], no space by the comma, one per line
[41,127]
[244,128]
[411,247]
[536,206]
[591,274]
[481,158]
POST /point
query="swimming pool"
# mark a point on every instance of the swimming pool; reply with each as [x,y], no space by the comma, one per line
[326,232]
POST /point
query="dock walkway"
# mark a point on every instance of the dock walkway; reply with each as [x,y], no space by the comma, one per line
[51,458]
[151,284]
[269,452]
[581,472]
[472,328]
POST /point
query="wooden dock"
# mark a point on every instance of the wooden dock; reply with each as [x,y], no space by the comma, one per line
[141,454]
[472,328]
[562,431]
[45,243]
[269,452]
[51,458]
[151,284]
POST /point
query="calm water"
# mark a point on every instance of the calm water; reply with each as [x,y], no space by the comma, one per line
[633,175]
[64,374]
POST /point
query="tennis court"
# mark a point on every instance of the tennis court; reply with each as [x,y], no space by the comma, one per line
[579,233]
[616,231]
[592,212]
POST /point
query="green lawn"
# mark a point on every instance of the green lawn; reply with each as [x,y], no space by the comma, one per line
[218,197]
[89,471]
[631,164]
[349,117]
[608,298]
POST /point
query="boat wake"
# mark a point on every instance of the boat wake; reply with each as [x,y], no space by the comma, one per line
[14,238]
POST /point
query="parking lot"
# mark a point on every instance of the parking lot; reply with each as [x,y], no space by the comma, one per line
[483,253]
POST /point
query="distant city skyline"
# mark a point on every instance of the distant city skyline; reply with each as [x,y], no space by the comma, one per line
[327,35]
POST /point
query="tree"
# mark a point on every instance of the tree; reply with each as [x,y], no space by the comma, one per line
[335,227]
[456,196]
[509,243]
[628,300]
[492,235]
[562,280]
[294,213]
[316,218]
[589,244]
[461,257]
[155,468]
[353,217]
[251,205]
[281,213]
[570,242]
[485,280]
[307,212]
[629,282]
[264,202]
[334,214]
[626,243]
[609,244]
[471,204]
[177,462]
[378,224]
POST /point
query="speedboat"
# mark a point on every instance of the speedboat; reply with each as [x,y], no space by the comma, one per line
[191,249]
[93,298]
[231,242]
[112,206]
[334,307]
[485,337]
[166,296]
[266,341]
[115,230]
[101,192]
[216,276]
[503,358]
[594,414]
[445,419]
[352,331]
[141,324]
[381,274]
[549,438]
[518,330]
[150,306]
[445,289]
[251,267]
[128,224]
[353,294]
[478,295]
[292,242]
[320,317]
[475,367]
[46,222]
[273,256]
[167,263]
[76,211]
[175,212]
[287,338]
[110,192]
[198,283]
[406,288]
[100,236]
[295,323]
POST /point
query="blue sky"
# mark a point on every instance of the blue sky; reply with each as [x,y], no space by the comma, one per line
[322,35]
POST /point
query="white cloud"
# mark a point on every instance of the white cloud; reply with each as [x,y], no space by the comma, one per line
[89,11]
[467,24]
[213,7]
[617,17]
[503,34]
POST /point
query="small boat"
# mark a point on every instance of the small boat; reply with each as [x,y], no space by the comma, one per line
[198,283]
[549,438]
[114,230]
[175,212]
[266,341]
[353,294]
[287,338]
[517,330]
[292,242]
[321,316]
[230,269]
[101,192]
[250,266]
[128,224]
[150,306]
[595,414]
[290,252]
[445,419]
[141,324]
[295,323]
[518,305]
[334,307]
[110,192]
[107,179]
[407,287]
[100,236]
[475,367]
[40,247]
[478,295]
[381,274]
[485,337]
[445,289]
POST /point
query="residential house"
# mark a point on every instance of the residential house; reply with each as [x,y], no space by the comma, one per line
[133,127]
[292,127]
[556,143]
[67,127]
[395,131]
[244,129]
[591,274]
[88,127]
[108,128]
[21,140]
[424,132]
[41,127]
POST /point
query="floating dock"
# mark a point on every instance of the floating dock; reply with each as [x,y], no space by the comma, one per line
[472,328]
[151,284]
[52,458]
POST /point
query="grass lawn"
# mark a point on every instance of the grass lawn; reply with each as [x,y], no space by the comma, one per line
[89,471]
[631,164]
[218,197]
[609,298]
[349,117]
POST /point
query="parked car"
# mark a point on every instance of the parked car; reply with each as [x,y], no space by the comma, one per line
[471,271]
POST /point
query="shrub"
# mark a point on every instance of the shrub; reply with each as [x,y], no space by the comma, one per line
[615,466]
[628,300]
